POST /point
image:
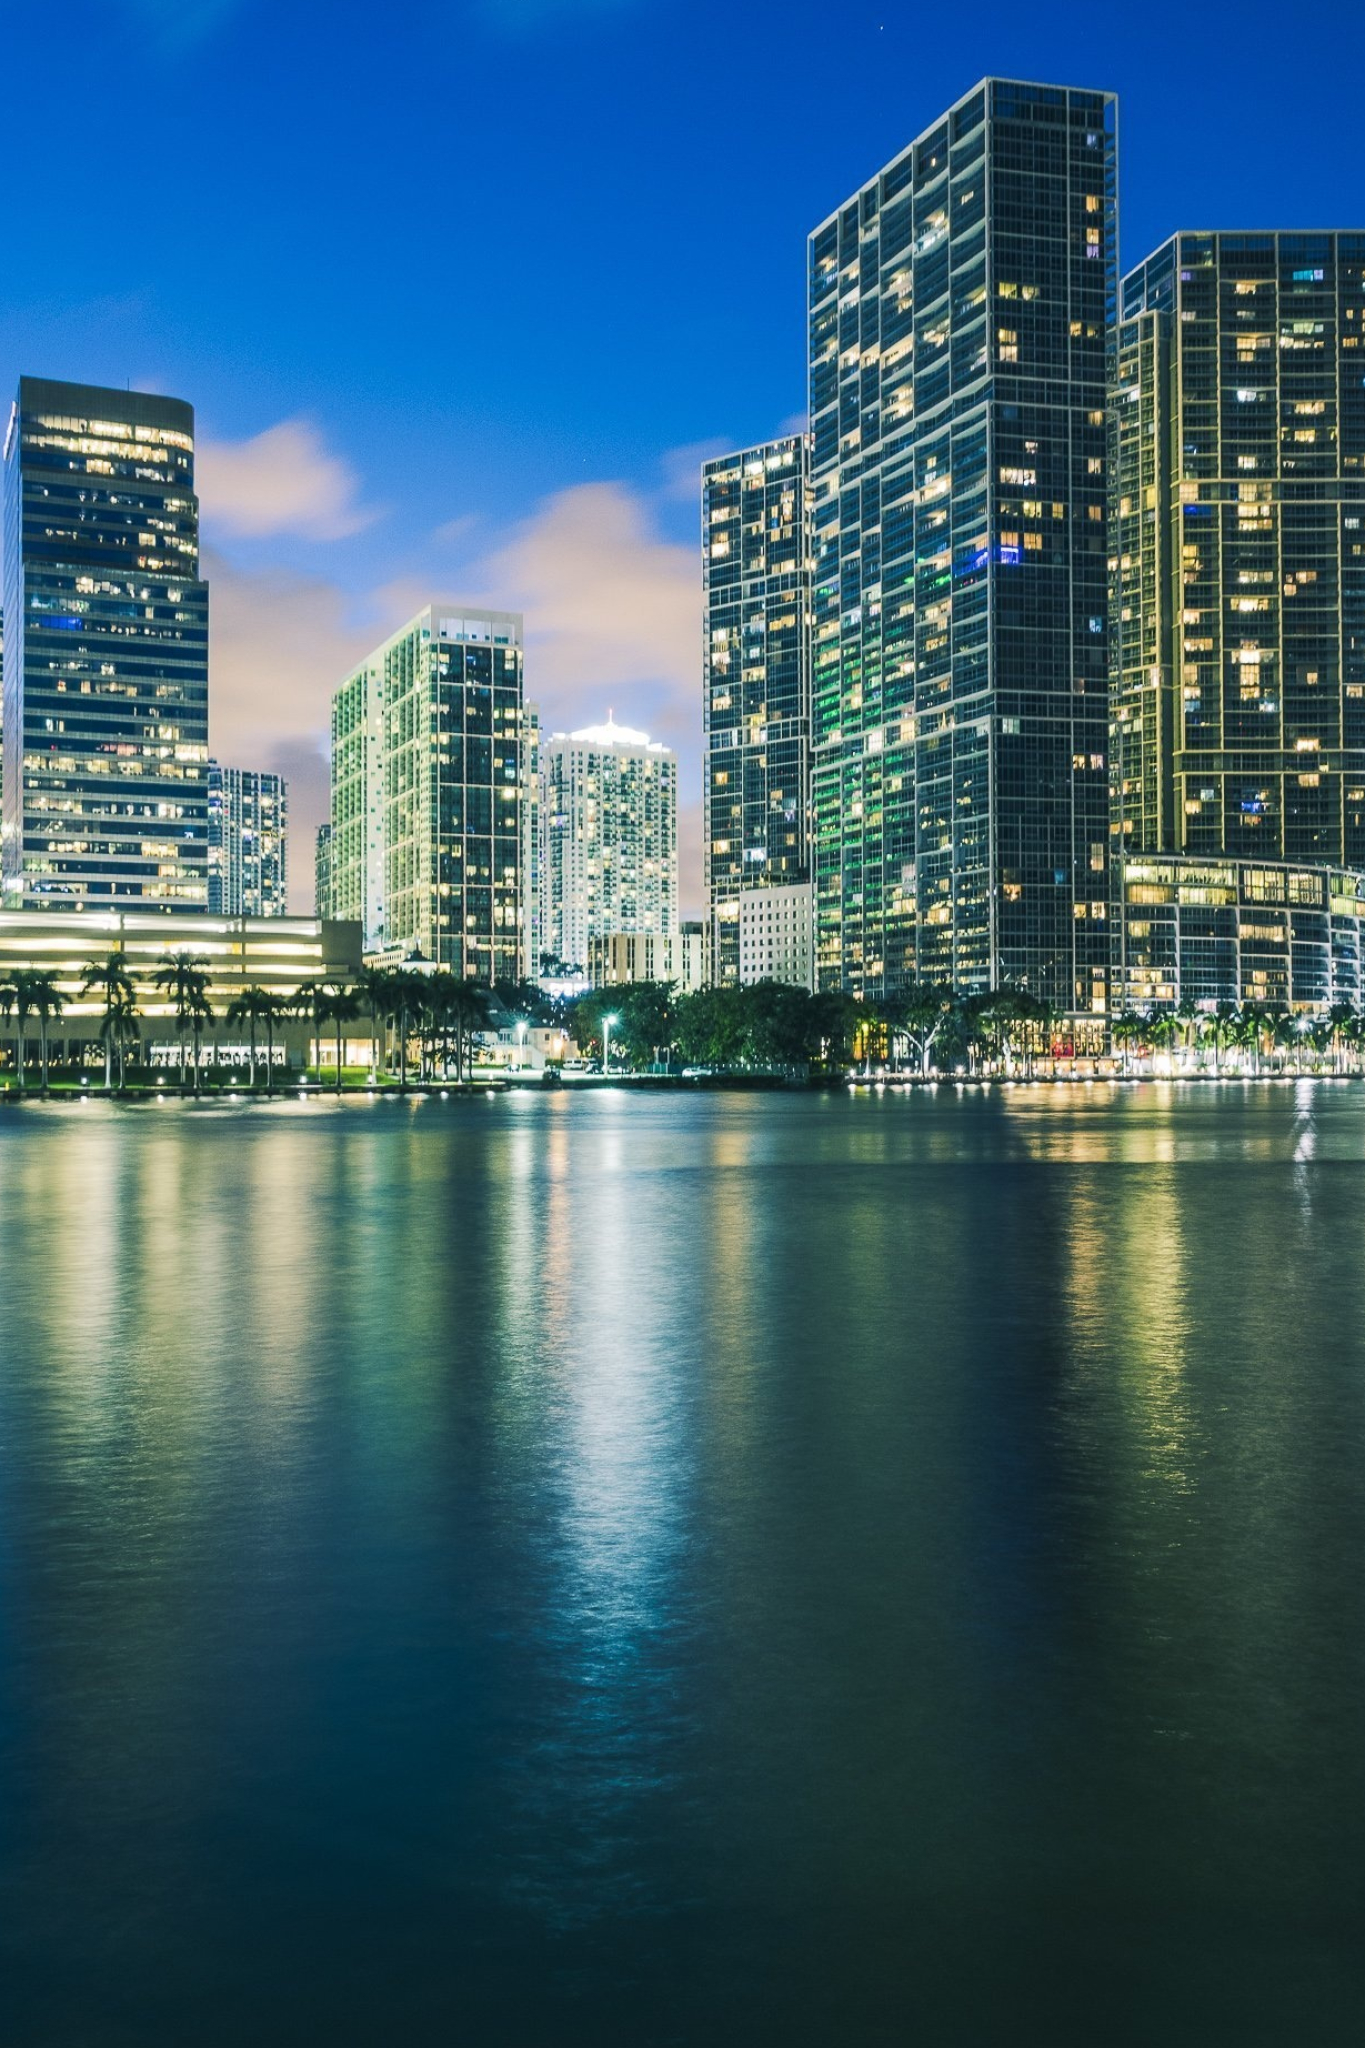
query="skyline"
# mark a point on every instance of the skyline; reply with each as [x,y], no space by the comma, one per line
[353,460]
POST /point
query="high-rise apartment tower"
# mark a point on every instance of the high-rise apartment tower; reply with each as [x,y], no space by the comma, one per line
[960,304]
[609,838]
[433,796]
[1238,599]
[248,843]
[106,657]
[756,681]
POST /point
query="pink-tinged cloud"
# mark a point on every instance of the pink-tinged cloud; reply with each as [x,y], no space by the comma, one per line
[284,480]
[613,621]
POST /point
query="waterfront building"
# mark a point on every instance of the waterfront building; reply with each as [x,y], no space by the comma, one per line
[609,838]
[1238,573]
[248,842]
[433,795]
[756,681]
[1211,930]
[777,935]
[322,871]
[621,957]
[356,826]
[279,954]
[960,304]
[106,668]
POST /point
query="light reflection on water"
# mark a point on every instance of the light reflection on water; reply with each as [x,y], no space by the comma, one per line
[684,1568]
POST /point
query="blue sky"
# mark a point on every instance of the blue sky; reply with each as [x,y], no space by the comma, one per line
[462,289]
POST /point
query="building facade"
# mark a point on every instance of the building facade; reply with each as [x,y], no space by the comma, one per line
[322,871]
[248,842]
[434,796]
[356,826]
[609,838]
[960,304]
[620,957]
[777,935]
[1238,575]
[1219,930]
[756,681]
[278,954]
[106,663]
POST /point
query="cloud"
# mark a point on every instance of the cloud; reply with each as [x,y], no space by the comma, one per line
[613,609]
[284,480]
[681,469]
[613,621]
[279,643]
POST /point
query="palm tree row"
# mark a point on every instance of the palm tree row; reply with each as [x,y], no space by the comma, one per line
[1258,1031]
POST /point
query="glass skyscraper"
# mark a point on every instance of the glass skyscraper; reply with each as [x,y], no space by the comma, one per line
[1238,482]
[248,843]
[960,308]
[756,681]
[609,838]
[433,796]
[106,658]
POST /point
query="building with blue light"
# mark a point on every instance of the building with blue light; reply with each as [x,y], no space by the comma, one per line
[960,305]
[106,658]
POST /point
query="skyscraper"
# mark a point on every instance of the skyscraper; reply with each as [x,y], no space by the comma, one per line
[322,871]
[106,666]
[433,795]
[756,681]
[1239,550]
[609,838]
[248,843]
[959,309]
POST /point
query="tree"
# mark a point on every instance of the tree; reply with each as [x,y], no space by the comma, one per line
[340,1008]
[1129,1028]
[372,985]
[923,1012]
[253,1007]
[8,997]
[1219,1027]
[109,977]
[33,992]
[184,980]
[45,1000]
[309,1001]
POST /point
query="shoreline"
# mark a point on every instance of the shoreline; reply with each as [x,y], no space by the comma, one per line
[137,1096]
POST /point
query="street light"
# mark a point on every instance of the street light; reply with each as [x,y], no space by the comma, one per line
[607,1023]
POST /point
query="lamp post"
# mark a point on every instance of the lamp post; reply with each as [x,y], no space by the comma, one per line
[607,1023]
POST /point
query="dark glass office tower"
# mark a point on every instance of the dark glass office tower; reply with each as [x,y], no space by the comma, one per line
[756,680]
[1238,481]
[106,663]
[960,305]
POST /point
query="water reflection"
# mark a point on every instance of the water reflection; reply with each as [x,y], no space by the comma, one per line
[710,1568]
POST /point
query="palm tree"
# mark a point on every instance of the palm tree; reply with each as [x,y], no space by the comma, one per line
[184,979]
[372,984]
[1219,1027]
[243,1010]
[270,1009]
[8,998]
[340,1006]
[23,1009]
[46,1001]
[467,1014]
[407,1001]
[1187,1014]
[1129,1027]
[110,977]
[310,1003]
[1340,1017]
